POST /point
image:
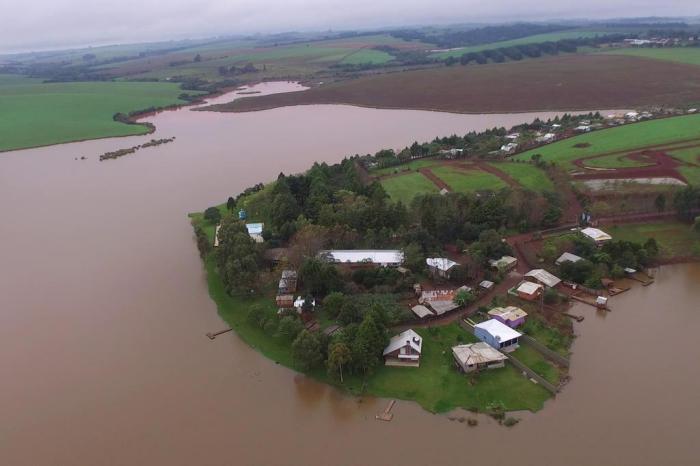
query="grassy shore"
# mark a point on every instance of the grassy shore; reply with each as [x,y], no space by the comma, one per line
[675,239]
[436,385]
[35,114]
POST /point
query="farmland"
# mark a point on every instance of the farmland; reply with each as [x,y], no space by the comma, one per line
[464,181]
[527,175]
[576,82]
[35,114]
[688,55]
[406,187]
[537,38]
[628,137]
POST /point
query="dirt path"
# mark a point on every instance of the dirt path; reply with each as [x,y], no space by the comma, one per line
[428,173]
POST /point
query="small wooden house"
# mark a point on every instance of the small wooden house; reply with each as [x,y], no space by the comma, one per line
[404,349]
[529,291]
[477,356]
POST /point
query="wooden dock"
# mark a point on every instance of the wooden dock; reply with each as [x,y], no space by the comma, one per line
[211,336]
[387,414]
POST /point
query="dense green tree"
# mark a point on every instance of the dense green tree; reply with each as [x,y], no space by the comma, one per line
[237,256]
[339,355]
[212,215]
[289,327]
[319,277]
[333,303]
[306,350]
[368,345]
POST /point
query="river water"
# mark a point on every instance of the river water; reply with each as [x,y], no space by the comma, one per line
[104,307]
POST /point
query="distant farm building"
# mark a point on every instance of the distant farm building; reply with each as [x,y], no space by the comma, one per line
[582,128]
[288,282]
[422,312]
[509,148]
[404,349]
[567,257]
[505,263]
[542,277]
[511,316]
[216,236]
[299,304]
[440,301]
[255,231]
[599,236]
[487,285]
[545,138]
[440,266]
[477,356]
[529,291]
[359,257]
[497,335]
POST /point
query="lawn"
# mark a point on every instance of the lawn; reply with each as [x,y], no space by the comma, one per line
[535,361]
[36,114]
[436,385]
[537,38]
[405,187]
[615,161]
[465,181]
[686,155]
[627,137]
[692,174]
[414,165]
[528,175]
[688,55]
[362,56]
[548,336]
[675,239]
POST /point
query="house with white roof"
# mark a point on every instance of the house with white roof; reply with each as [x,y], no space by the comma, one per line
[440,266]
[508,148]
[404,349]
[599,236]
[477,356]
[547,137]
[299,304]
[498,335]
[216,236]
[255,231]
[358,257]
[542,277]
[568,257]
[505,263]
[582,128]
[529,291]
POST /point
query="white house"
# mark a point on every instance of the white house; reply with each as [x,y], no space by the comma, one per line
[255,231]
[498,335]
[440,266]
[542,277]
[582,128]
[508,148]
[567,257]
[477,356]
[404,349]
[299,304]
[216,236]
[382,257]
[548,137]
[599,236]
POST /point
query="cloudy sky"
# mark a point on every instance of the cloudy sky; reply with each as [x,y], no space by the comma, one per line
[46,24]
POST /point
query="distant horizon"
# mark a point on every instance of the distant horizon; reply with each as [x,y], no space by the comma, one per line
[139,22]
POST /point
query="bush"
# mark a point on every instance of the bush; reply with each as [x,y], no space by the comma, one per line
[212,215]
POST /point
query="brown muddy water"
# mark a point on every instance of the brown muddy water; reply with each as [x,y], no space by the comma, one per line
[104,307]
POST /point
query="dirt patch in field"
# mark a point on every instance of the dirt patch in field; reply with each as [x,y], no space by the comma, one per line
[428,173]
[575,82]
[663,166]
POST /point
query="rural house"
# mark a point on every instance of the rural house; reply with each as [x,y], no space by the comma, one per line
[364,257]
[440,266]
[255,231]
[404,349]
[599,236]
[505,263]
[511,316]
[567,257]
[498,335]
[542,277]
[529,291]
[299,304]
[477,356]
[440,301]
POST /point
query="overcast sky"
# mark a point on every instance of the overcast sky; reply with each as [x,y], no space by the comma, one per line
[47,24]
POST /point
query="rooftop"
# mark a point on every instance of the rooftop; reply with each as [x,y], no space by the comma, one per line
[255,228]
[568,257]
[508,313]
[440,263]
[499,330]
[544,277]
[406,337]
[477,353]
[596,234]
[529,288]
[358,256]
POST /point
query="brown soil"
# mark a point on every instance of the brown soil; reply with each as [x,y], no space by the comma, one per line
[575,82]
[662,165]
[428,173]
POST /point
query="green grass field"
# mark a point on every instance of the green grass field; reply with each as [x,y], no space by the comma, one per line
[405,187]
[416,164]
[615,161]
[529,176]
[552,36]
[362,56]
[627,137]
[675,239]
[465,181]
[535,361]
[436,385]
[688,55]
[36,114]
[686,155]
